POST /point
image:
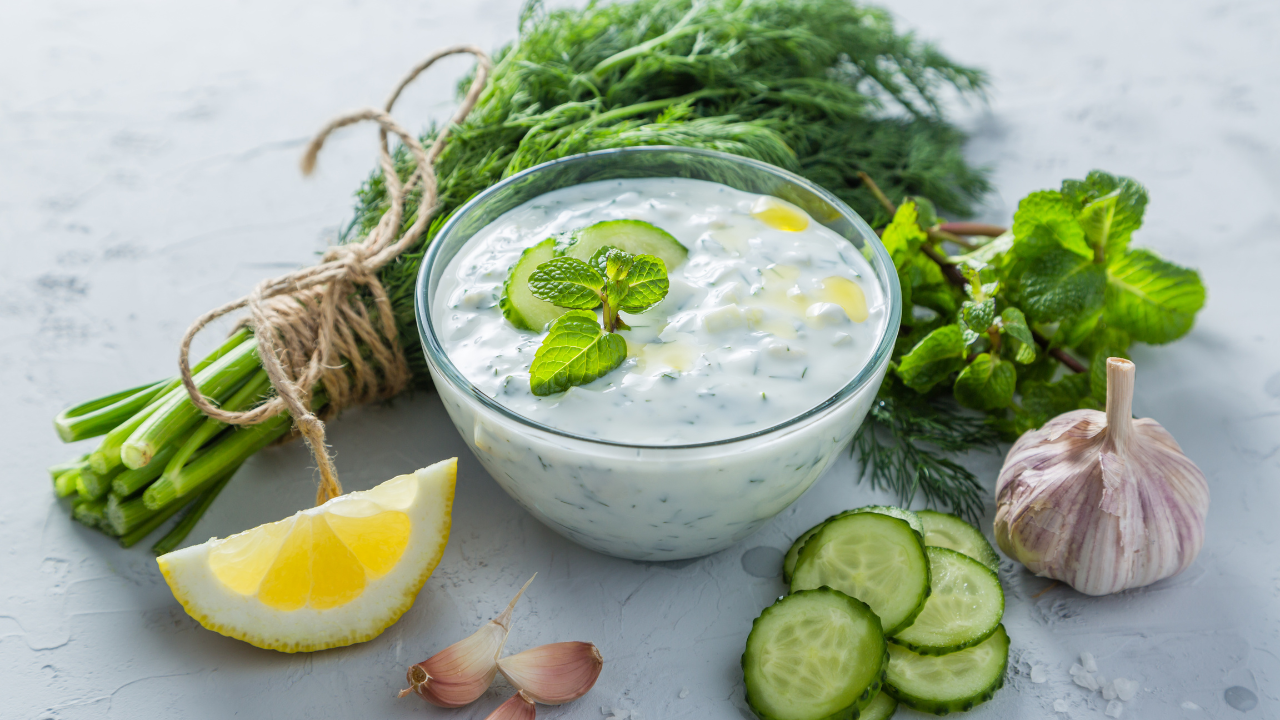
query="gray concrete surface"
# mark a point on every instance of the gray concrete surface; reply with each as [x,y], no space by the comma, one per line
[148,156]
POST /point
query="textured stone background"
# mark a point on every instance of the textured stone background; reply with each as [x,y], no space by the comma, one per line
[148,155]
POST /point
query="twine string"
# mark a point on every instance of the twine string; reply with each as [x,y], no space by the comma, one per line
[312,327]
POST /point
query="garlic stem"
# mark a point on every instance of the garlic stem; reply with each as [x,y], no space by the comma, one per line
[459,674]
[1120,375]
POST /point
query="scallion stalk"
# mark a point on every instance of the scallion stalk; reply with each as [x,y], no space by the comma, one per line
[92,485]
[178,414]
[107,456]
[91,513]
[65,467]
[97,417]
[65,484]
[123,515]
[253,390]
[132,480]
[193,514]
[166,512]
[235,449]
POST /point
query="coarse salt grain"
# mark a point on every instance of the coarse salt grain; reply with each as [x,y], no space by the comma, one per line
[1077,669]
[1109,691]
[1060,705]
[1090,665]
[1126,689]
[1188,705]
[1086,681]
[1115,708]
[684,693]
[1039,673]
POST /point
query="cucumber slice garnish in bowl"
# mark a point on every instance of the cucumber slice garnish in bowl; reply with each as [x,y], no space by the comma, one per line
[518,303]
[942,684]
[814,655]
[881,708]
[634,236]
[948,531]
[964,607]
[876,558]
[789,560]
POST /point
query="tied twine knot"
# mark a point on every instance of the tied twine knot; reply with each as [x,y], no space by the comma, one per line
[312,327]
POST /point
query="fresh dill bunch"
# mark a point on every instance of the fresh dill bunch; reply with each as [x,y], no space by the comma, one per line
[905,444]
[826,88]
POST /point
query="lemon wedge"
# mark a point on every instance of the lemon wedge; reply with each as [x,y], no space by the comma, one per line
[334,575]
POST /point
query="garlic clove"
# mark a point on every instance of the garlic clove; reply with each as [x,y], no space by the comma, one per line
[1101,501]
[460,673]
[519,707]
[553,674]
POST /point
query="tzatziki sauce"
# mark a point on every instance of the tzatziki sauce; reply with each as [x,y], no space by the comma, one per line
[771,314]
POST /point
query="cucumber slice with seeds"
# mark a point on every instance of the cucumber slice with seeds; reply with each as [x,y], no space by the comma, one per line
[949,531]
[789,560]
[875,558]
[814,655]
[964,607]
[942,684]
[881,708]
[634,236]
[518,303]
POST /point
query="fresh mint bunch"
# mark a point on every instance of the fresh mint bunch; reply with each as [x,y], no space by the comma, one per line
[1066,271]
[1019,326]
[577,350]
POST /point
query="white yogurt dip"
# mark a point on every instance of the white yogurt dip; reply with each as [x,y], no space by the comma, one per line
[762,322]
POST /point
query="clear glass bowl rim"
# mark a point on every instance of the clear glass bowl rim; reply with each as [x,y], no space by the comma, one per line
[435,351]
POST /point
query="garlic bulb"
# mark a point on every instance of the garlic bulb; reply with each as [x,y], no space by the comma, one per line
[1101,501]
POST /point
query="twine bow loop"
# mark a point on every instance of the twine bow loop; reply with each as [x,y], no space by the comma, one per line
[330,327]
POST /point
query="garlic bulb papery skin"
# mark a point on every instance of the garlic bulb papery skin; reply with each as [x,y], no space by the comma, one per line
[1101,501]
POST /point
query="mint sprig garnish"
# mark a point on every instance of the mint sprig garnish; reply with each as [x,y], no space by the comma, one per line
[577,350]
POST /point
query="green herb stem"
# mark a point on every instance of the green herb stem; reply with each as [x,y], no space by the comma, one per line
[92,484]
[194,512]
[178,414]
[131,480]
[124,515]
[253,390]
[65,467]
[97,417]
[67,483]
[91,513]
[162,514]
[235,449]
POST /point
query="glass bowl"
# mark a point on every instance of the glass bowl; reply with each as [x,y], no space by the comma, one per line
[650,502]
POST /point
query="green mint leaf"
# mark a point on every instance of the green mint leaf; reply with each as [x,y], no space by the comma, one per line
[1060,284]
[903,237]
[1154,300]
[648,283]
[933,359]
[567,282]
[993,254]
[1046,220]
[576,351]
[611,263]
[1110,208]
[1042,401]
[987,383]
[1018,337]
[978,316]
[926,213]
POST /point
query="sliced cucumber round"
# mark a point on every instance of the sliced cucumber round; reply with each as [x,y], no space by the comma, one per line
[634,236]
[948,531]
[942,684]
[964,607]
[518,303]
[814,655]
[881,708]
[789,560]
[876,558]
